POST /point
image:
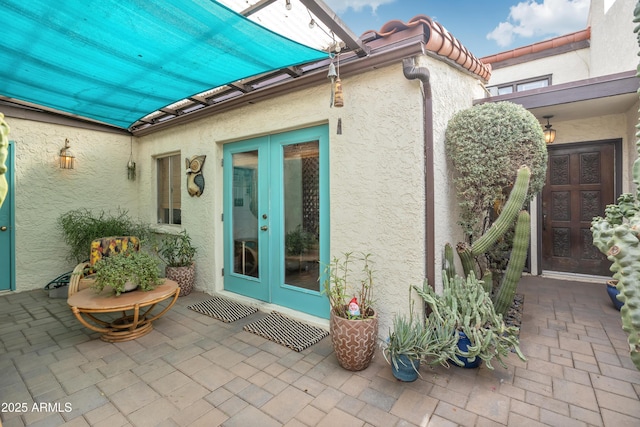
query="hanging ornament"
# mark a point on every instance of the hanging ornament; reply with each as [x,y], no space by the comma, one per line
[338,100]
[332,76]
[131,165]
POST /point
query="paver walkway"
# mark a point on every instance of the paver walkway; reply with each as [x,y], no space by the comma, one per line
[194,370]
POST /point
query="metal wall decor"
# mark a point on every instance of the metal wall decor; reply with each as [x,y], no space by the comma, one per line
[195,179]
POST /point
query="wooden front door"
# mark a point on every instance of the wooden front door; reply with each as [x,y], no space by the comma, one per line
[581,182]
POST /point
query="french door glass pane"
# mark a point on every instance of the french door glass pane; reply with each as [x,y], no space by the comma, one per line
[245,213]
[301,184]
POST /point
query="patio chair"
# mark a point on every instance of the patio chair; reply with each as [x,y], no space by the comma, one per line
[103,247]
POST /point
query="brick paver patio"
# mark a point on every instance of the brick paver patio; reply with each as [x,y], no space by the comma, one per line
[194,370]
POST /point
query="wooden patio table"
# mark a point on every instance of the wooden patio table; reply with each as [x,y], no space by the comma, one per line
[129,326]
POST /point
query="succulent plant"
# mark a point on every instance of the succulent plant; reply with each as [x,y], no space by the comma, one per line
[617,235]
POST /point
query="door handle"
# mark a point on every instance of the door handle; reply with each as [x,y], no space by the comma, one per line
[264,228]
[3,228]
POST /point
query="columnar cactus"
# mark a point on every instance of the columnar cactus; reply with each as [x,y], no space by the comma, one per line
[617,235]
[511,210]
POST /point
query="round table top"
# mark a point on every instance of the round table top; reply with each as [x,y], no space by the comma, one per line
[89,299]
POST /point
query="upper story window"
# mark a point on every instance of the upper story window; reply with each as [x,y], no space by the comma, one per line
[520,85]
[169,174]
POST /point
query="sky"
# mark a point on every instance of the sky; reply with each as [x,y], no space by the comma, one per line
[485,27]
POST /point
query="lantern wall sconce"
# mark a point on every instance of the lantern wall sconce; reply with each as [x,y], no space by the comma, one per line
[67,159]
[549,132]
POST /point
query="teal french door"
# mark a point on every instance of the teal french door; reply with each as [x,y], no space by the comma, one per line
[7,235]
[276,218]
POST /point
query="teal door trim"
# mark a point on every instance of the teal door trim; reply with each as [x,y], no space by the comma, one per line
[7,219]
[269,285]
[305,300]
[253,287]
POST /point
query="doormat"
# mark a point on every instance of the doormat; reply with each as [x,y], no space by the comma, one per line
[287,332]
[223,309]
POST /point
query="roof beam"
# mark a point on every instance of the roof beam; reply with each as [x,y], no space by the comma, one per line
[335,24]
[256,7]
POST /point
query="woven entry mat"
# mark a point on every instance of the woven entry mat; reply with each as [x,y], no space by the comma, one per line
[287,332]
[223,309]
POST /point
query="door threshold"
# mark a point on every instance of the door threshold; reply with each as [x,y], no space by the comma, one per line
[562,275]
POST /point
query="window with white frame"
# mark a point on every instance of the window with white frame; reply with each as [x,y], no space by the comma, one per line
[520,85]
[169,174]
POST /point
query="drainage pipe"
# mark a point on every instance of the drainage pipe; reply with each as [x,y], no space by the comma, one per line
[411,72]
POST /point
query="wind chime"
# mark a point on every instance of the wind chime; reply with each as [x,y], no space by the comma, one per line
[131,165]
[337,98]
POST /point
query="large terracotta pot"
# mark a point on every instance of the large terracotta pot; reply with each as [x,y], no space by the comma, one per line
[354,341]
[184,276]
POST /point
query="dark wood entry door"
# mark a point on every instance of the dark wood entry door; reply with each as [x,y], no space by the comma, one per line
[580,183]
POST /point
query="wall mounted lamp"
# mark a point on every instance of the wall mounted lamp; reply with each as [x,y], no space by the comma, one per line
[549,132]
[67,159]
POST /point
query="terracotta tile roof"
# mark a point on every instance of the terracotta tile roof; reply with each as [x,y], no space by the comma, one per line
[538,47]
[440,41]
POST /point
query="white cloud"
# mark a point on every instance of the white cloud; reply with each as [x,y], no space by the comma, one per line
[340,6]
[548,18]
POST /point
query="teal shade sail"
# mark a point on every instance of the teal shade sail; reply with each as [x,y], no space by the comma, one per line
[116,61]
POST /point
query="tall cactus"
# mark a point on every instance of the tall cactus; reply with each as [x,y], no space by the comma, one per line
[511,210]
[617,236]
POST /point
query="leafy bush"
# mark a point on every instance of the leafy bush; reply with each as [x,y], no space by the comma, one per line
[80,227]
[487,144]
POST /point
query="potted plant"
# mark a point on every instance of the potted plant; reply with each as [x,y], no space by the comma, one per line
[466,324]
[178,253]
[407,342]
[126,271]
[297,242]
[353,323]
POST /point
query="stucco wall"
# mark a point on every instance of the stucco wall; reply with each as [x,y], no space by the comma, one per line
[612,38]
[452,92]
[565,67]
[43,191]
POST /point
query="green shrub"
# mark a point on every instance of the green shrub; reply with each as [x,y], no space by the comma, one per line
[487,144]
[80,227]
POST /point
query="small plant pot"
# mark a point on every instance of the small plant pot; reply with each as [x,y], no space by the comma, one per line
[613,292]
[184,276]
[354,341]
[463,344]
[407,369]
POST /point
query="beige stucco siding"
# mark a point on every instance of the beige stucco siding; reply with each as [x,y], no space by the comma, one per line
[612,38]
[565,67]
[43,191]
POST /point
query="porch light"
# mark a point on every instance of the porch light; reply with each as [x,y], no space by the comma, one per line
[67,159]
[549,133]
[288,4]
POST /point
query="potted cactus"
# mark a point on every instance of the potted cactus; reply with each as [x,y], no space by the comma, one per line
[466,326]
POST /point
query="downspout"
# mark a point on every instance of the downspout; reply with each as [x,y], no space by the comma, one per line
[411,72]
